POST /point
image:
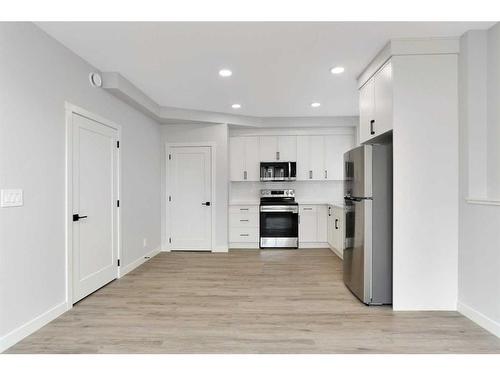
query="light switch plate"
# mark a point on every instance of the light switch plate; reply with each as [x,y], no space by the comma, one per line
[11,197]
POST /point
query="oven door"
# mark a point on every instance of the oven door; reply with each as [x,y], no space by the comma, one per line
[279,226]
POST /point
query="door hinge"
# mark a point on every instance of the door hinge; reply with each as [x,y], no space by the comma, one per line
[170,240]
[118,203]
[117,144]
[118,262]
[169,156]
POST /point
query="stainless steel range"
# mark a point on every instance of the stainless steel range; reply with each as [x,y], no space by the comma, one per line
[279,219]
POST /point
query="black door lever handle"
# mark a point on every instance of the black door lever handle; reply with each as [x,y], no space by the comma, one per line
[206,204]
[77,217]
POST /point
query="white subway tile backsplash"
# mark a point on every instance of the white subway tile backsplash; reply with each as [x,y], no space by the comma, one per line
[305,191]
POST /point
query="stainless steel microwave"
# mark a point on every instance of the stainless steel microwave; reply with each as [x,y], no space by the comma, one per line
[278,171]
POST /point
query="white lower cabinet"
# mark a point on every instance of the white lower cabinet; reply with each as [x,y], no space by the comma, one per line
[308,224]
[335,229]
[322,228]
[244,226]
[312,225]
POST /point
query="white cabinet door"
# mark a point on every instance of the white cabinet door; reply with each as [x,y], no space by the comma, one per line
[335,147]
[303,157]
[237,158]
[322,217]
[317,157]
[383,100]
[310,157]
[252,160]
[338,228]
[308,225]
[268,148]
[366,110]
[329,226]
[244,163]
[287,148]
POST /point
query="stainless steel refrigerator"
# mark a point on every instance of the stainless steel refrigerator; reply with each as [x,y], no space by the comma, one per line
[368,223]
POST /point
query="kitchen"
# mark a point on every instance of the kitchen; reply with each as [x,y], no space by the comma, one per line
[237,198]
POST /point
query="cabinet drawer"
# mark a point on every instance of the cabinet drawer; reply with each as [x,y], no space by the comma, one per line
[250,220]
[248,209]
[237,234]
[307,209]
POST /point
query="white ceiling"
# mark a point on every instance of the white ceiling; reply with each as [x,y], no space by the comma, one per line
[278,68]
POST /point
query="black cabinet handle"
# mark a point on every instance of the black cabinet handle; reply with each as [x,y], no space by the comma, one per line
[206,204]
[77,217]
[336,223]
[372,122]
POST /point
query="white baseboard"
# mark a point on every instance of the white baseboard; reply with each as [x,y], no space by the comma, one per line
[313,245]
[337,252]
[479,318]
[33,325]
[221,249]
[244,245]
[136,263]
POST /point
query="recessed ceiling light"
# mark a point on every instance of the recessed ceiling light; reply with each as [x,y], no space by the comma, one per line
[337,70]
[315,104]
[236,106]
[225,73]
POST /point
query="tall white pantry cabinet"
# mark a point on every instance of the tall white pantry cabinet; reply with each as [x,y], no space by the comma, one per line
[411,88]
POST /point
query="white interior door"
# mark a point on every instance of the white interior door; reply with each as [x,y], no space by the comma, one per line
[95,216]
[190,206]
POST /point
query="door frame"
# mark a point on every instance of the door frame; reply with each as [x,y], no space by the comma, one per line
[71,109]
[168,147]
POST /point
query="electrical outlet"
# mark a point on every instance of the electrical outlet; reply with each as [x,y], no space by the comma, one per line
[144,242]
[11,197]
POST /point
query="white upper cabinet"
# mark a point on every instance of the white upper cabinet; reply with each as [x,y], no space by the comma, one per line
[244,164]
[278,148]
[383,99]
[310,157]
[268,148]
[318,157]
[287,148]
[321,157]
[252,162]
[303,158]
[366,110]
[375,104]
[335,147]
[237,158]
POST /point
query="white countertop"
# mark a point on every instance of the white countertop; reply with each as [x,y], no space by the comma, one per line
[300,202]
[244,203]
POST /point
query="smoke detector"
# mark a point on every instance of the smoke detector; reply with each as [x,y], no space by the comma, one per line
[95,79]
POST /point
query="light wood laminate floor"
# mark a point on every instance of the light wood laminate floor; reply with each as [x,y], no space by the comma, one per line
[247,301]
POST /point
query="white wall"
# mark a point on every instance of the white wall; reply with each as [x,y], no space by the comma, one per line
[479,235]
[37,76]
[217,134]
[425,146]
[494,112]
